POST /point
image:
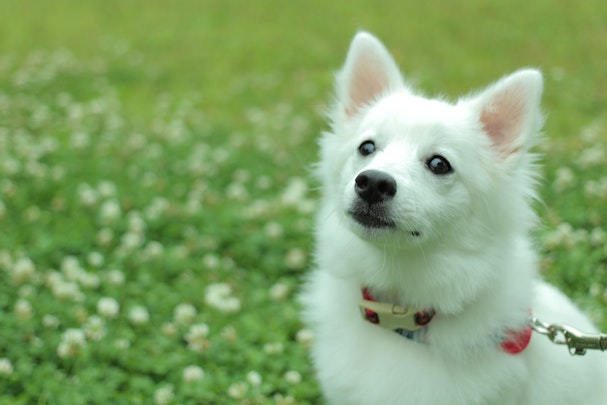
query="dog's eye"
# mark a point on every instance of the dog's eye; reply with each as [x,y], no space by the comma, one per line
[439,165]
[366,148]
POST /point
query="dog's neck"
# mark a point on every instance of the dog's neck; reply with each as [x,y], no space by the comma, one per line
[413,323]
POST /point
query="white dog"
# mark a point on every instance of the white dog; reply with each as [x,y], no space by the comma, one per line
[426,272]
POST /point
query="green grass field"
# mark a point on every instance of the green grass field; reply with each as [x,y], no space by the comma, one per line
[156,205]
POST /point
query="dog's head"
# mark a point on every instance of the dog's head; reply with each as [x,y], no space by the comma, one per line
[401,167]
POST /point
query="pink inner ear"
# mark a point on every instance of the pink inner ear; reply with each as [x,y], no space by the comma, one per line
[368,82]
[502,119]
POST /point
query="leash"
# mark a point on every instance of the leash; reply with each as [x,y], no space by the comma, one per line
[577,342]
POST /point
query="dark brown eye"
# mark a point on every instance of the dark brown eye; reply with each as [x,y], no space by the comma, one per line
[366,148]
[439,165]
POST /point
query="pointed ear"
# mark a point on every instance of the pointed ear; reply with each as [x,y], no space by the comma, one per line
[369,72]
[509,111]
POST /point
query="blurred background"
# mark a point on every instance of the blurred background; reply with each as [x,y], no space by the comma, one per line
[156,202]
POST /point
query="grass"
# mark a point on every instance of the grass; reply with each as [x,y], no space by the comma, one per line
[155,200]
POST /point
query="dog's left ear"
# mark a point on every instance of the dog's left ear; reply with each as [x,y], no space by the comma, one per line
[509,111]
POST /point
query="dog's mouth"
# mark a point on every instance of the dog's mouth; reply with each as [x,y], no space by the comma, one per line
[372,221]
[374,218]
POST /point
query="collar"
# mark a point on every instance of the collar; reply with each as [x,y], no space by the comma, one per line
[412,323]
[406,321]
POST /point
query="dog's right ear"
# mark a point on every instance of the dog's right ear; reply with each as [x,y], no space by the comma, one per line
[369,72]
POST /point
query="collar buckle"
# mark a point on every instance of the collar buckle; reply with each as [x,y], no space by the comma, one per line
[393,316]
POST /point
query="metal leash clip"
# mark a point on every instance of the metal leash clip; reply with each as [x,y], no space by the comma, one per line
[577,342]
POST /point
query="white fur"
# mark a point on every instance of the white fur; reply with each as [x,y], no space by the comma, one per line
[472,260]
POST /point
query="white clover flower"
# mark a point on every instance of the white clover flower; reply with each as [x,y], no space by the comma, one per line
[280,400]
[139,315]
[6,259]
[105,236]
[6,367]
[11,166]
[108,307]
[153,250]
[66,290]
[110,211]
[131,241]
[70,266]
[95,259]
[184,314]
[50,321]
[106,189]
[279,292]
[228,305]
[23,271]
[136,223]
[592,156]
[72,342]
[210,261]
[164,395]
[254,378]
[273,230]
[596,290]
[23,309]
[218,290]
[295,258]
[563,235]
[218,295]
[564,179]
[197,337]
[295,192]
[273,348]
[293,377]
[237,192]
[52,278]
[592,132]
[597,237]
[80,140]
[122,344]
[88,196]
[158,207]
[238,390]
[94,328]
[596,188]
[305,337]
[192,374]
[74,272]
[89,280]
[115,277]
[257,208]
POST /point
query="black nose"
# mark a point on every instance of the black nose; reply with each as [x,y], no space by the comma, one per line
[374,186]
